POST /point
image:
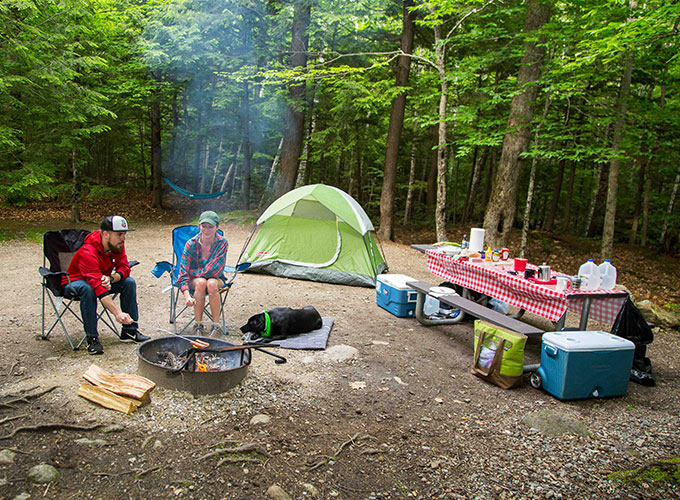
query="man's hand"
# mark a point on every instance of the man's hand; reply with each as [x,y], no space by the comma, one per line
[123,318]
[106,282]
[189,300]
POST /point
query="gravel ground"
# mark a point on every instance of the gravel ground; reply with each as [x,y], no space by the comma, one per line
[389,411]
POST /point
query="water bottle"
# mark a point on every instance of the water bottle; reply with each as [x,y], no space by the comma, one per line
[607,275]
[465,244]
[590,274]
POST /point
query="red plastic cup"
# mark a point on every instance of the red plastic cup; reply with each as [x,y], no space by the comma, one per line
[520,264]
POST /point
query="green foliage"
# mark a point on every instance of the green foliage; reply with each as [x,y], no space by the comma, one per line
[78,78]
[106,192]
[662,471]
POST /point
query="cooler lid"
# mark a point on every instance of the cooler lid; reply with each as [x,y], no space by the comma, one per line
[395,280]
[586,341]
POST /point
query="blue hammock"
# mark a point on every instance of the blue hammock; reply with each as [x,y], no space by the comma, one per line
[189,194]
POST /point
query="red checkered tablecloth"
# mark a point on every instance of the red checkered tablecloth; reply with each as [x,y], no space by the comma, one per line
[544,300]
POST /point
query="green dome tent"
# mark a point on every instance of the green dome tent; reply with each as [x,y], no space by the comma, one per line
[317,233]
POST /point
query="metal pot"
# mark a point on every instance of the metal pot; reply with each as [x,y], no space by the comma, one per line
[543,273]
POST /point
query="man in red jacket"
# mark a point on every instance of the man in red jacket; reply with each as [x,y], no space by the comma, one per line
[99,269]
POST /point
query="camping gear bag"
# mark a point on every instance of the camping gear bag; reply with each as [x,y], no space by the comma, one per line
[631,325]
[499,355]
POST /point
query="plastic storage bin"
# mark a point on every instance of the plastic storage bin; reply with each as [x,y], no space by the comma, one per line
[394,296]
[579,365]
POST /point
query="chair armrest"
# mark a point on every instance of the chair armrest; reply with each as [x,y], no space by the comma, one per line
[44,272]
[161,268]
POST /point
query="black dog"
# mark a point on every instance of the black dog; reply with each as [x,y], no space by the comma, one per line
[283,322]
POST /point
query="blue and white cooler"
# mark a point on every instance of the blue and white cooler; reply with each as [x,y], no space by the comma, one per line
[393,295]
[579,365]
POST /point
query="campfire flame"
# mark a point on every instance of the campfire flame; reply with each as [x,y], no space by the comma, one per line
[201,365]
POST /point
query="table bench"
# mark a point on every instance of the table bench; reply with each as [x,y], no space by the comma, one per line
[468,306]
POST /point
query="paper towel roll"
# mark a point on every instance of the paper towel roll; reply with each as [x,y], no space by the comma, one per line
[476,239]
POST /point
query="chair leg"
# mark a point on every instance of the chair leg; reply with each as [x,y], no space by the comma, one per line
[59,320]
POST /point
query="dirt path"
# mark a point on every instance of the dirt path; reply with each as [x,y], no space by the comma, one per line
[402,418]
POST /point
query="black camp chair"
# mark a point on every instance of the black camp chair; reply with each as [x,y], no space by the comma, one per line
[58,249]
[180,236]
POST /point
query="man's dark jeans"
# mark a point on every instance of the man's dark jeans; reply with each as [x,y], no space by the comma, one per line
[127,289]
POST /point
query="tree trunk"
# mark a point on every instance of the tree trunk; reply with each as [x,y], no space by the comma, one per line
[230,169]
[532,179]
[440,210]
[304,162]
[613,183]
[431,194]
[217,165]
[500,214]
[247,148]
[293,133]
[156,168]
[639,193]
[386,229]
[669,208]
[411,180]
[554,201]
[475,182]
[142,155]
[76,189]
[566,223]
[490,172]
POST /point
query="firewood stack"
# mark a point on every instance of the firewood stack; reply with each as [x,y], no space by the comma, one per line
[121,392]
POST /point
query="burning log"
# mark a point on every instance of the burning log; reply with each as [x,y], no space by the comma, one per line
[121,392]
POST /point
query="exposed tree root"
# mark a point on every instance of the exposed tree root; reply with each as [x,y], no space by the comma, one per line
[50,427]
[326,458]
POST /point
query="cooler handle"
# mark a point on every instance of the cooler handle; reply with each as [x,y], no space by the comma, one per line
[550,351]
[412,296]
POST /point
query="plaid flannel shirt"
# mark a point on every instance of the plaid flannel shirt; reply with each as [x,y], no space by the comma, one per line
[191,266]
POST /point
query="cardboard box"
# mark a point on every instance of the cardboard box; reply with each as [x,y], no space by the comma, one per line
[394,296]
[579,365]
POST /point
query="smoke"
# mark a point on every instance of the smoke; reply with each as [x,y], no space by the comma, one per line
[205,54]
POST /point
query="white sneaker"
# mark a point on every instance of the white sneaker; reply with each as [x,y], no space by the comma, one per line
[198,330]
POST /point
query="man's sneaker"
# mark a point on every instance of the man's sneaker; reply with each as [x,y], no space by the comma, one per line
[133,336]
[198,329]
[216,330]
[93,346]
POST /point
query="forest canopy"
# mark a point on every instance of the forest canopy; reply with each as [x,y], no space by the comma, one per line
[249,97]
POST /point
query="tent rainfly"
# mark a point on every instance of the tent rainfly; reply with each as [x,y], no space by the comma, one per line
[317,233]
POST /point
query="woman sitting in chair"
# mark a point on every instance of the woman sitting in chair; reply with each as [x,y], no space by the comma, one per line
[201,269]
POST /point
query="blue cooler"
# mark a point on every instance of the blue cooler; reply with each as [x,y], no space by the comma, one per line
[394,296]
[578,365]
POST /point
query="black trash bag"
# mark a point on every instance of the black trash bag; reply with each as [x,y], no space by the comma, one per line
[631,325]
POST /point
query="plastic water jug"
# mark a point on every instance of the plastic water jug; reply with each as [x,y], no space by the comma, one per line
[590,274]
[607,275]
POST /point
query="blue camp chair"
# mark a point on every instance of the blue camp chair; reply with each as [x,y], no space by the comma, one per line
[180,236]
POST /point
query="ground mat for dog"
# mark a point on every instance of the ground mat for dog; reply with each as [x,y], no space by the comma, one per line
[314,340]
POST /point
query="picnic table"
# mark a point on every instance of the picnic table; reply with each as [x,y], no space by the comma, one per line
[495,280]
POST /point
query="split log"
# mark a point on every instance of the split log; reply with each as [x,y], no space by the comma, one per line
[124,384]
[107,399]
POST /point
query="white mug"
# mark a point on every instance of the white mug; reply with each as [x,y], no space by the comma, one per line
[562,284]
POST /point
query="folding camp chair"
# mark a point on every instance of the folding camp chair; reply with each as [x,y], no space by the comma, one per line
[58,249]
[180,236]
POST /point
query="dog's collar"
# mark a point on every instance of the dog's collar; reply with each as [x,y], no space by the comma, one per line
[267,325]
